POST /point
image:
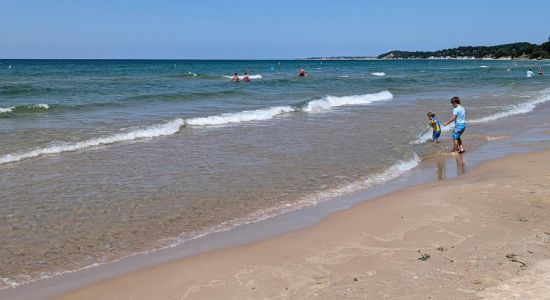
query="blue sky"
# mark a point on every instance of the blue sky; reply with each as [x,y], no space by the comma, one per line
[259,29]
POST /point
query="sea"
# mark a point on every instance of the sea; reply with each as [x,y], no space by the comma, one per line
[103,159]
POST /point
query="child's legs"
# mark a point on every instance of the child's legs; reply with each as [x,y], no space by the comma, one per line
[460,148]
[457,141]
[435,136]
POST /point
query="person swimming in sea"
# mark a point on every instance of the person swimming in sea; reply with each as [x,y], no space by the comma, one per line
[541,72]
[302,73]
[530,73]
[245,77]
[235,78]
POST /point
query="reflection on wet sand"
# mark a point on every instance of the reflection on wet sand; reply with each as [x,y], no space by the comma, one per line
[460,164]
[441,170]
[441,164]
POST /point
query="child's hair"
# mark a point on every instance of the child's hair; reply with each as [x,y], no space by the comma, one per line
[431,114]
[455,100]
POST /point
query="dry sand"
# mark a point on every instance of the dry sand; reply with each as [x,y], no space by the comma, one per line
[483,235]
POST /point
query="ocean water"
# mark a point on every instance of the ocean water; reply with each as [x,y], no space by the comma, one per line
[101,159]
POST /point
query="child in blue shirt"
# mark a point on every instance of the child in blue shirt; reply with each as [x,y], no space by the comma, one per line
[459,117]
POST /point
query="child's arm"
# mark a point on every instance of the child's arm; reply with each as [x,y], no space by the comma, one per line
[427,128]
[450,121]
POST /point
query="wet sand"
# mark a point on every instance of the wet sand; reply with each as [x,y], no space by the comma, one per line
[483,235]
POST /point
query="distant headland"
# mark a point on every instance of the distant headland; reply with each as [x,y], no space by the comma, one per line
[522,50]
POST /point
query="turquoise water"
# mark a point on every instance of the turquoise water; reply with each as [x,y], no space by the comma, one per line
[102,159]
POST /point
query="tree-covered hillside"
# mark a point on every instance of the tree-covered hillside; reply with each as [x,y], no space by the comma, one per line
[515,50]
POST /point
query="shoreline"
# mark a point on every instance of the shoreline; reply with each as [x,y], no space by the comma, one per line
[430,171]
[424,240]
[279,250]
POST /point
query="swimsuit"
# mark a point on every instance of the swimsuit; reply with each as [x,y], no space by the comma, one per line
[436,129]
[460,122]
[458,131]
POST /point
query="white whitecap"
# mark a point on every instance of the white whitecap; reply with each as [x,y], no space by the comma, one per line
[241,77]
[332,101]
[242,116]
[11,108]
[6,109]
[40,105]
[378,74]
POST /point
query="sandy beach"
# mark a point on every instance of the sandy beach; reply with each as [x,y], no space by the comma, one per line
[221,150]
[484,235]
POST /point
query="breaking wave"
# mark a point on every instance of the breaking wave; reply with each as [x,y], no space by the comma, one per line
[258,76]
[174,126]
[322,104]
[330,101]
[25,108]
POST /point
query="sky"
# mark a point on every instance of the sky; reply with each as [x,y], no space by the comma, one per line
[243,29]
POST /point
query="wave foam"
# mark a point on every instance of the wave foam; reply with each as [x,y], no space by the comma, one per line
[243,116]
[6,109]
[25,108]
[40,105]
[378,74]
[257,76]
[167,128]
[331,101]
